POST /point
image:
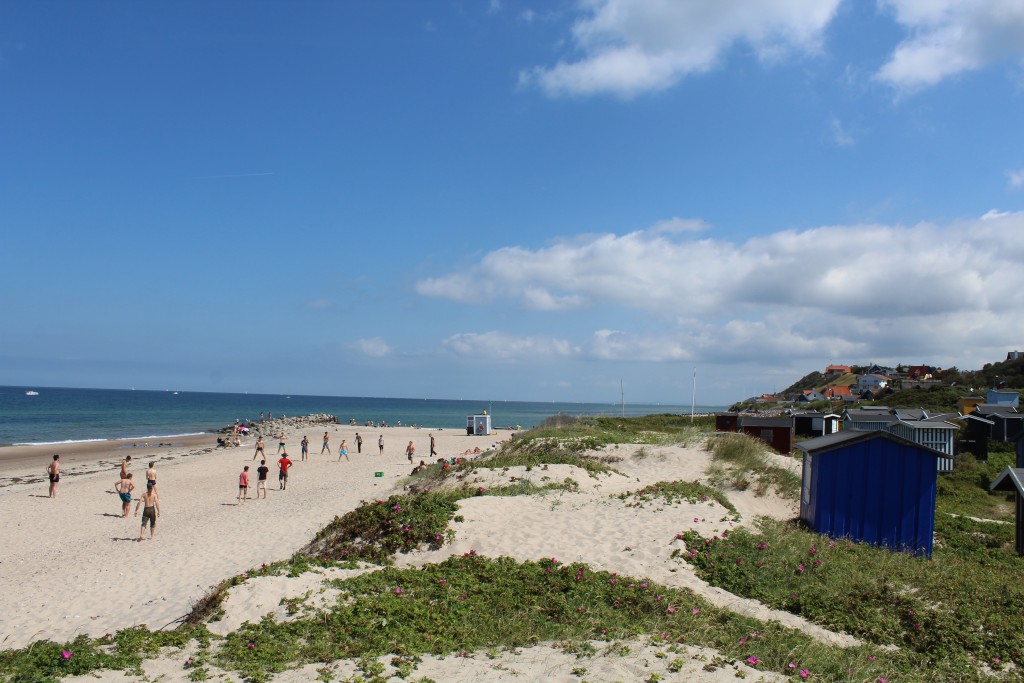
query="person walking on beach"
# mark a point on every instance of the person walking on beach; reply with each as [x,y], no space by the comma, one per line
[343,451]
[410,451]
[380,444]
[282,477]
[261,479]
[280,443]
[305,447]
[124,488]
[433,444]
[150,512]
[327,444]
[124,466]
[151,478]
[53,473]
[359,443]
[243,486]
[259,448]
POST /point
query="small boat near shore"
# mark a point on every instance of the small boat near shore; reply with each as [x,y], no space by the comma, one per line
[31,393]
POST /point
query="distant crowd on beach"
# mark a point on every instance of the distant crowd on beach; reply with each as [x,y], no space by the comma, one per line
[148,501]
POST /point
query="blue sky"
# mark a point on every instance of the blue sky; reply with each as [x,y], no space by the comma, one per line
[507,199]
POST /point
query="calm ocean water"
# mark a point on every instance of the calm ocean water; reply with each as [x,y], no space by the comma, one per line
[58,415]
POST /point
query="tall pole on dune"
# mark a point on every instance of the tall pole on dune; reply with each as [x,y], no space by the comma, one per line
[622,397]
[693,396]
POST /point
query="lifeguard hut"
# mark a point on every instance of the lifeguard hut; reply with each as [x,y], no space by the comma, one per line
[478,425]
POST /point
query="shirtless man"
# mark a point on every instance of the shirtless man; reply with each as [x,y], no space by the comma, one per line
[124,466]
[124,488]
[359,443]
[150,513]
[410,451]
[280,443]
[433,444]
[380,444]
[53,472]
[151,478]
[305,447]
[259,448]
[327,444]
[343,451]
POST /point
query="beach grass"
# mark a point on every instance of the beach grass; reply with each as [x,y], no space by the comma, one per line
[740,462]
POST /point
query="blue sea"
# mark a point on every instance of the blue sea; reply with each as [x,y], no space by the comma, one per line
[59,415]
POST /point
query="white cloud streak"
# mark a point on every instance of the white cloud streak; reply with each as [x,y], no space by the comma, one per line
[504,346]
[628,47]
[375,347]
[950,37]
[1015,179]
[860,291]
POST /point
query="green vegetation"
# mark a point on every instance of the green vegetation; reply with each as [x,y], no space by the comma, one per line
[673,492]
[740,461]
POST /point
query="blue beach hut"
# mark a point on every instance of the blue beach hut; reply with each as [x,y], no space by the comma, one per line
[873,487]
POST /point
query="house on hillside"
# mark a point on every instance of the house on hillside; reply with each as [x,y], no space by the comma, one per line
[836,370]
[880,370]
[871,383]
[1015,355]
[922,372]
[835,391]
[810,396]
[870,486]
[1003,397]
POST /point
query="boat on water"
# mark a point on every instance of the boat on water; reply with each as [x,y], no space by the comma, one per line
[31,393]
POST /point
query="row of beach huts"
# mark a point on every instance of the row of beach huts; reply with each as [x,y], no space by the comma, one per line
[870,474]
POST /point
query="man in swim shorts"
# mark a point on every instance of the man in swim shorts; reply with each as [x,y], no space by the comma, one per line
[243,486]
[124,488]
[259,448]
[343,451]
[150,513]
[305,447]
[280,443]
[261,479]
[359,443]
[327,444]
[282,477]
[151,477]
[124,466]
[53,473]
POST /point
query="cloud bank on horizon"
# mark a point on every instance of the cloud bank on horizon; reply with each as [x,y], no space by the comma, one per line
[854,292]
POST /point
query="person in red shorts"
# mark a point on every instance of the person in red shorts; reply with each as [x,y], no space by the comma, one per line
[282,478]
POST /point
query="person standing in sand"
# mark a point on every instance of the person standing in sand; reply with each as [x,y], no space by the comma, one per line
[410,451]
[380,444]
[261,479]
[280,443]
[124,466]
[53,473]
[327,444]
[433,446]
[150,513]
[124,488]
[151,478]
[259,448]
[305,447]
[343,451]
[243,486]
[282,476]
[359,443]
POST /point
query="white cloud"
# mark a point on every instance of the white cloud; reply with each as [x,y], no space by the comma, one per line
[856,292]
[374,347]
[504,346]
[949,37]
[839,134]
[633,46]
[1015,178]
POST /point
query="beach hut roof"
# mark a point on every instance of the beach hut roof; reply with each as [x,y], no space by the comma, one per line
[1010,479]
[831,442]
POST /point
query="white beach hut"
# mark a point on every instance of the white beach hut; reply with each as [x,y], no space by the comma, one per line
[478,425]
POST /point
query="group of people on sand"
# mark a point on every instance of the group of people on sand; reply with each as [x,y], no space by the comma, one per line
[284,463]
[148,502]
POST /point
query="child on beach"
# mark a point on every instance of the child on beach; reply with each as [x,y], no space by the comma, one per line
[282,477]
[124,488]
[261,479]
[53,472]
[151,512]
[243,486]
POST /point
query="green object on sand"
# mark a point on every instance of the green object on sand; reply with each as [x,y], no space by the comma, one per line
[378,474]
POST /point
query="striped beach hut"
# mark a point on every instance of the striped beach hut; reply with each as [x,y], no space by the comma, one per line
[870,486]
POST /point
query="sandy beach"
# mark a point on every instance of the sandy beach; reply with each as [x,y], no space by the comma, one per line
[79,568]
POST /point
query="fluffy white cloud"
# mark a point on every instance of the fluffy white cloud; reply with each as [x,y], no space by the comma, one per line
[1015,178]
[948,37]
[632,46]
[374,347]
[504,346]
[855,292]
